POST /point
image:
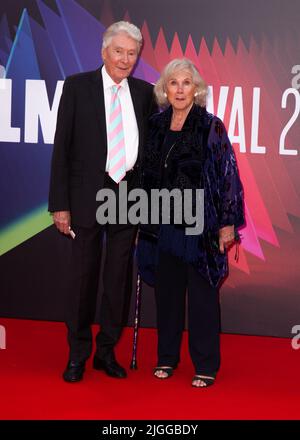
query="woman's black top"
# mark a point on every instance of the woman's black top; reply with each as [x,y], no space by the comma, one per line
[169,143]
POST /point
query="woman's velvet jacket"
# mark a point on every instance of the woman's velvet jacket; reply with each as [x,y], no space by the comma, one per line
[202,158]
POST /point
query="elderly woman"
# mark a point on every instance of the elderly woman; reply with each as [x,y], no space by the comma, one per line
[188,148]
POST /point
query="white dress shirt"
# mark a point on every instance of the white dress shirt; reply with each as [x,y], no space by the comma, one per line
[130,128]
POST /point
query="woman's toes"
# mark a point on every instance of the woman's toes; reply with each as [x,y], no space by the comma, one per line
[199,383]
[161,374]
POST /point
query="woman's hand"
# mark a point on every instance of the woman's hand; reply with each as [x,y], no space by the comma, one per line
[226,238]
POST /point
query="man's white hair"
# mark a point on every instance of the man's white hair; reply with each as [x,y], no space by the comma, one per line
[122,27]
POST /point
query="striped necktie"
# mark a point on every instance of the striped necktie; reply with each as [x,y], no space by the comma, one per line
[117,158]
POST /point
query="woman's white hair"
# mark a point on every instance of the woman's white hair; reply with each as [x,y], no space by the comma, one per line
[122,27]
[176,66]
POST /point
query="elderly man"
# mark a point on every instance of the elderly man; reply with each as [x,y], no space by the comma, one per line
[101,127]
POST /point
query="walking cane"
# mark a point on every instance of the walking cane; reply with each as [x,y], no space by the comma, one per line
[133,364]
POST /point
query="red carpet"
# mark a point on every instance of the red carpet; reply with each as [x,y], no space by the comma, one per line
[259,379]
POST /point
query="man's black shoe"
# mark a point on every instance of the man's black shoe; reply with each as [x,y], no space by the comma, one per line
[74,371]
[111,367]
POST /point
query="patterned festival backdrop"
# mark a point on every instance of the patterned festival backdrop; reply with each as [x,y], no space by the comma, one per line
[249,56]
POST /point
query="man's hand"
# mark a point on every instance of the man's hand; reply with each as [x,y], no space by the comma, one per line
[62,220]
[226,238]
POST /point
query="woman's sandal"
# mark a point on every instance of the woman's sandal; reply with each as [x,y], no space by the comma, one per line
[207,380]
[167,370]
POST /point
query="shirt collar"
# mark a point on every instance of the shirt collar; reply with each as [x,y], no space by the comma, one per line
[108,82]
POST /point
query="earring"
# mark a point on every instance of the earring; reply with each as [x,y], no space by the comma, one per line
[165,95]
[196,94]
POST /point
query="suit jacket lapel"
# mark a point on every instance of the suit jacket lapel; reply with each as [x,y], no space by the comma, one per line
[137,105]
[97,97]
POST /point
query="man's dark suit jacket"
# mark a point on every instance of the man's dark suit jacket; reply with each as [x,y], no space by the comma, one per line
[80,144]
